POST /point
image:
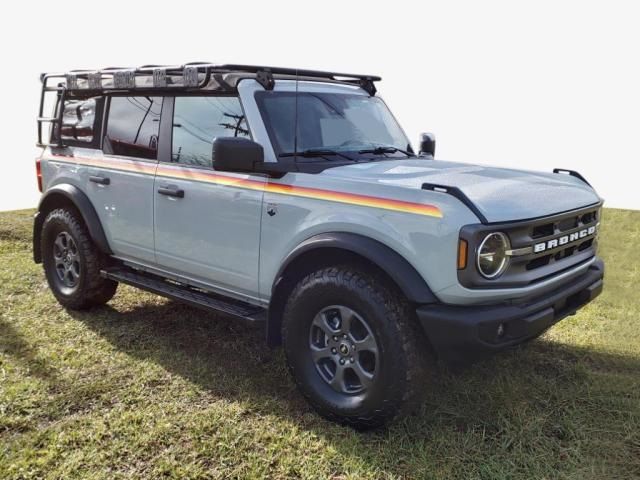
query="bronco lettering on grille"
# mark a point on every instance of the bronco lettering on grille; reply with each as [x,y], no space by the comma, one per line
[564,240]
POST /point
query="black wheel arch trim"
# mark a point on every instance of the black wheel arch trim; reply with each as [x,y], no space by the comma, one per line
[388,260]
[406,277]
[84,206]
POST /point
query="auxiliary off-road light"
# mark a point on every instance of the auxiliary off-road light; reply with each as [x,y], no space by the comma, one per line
[492,256]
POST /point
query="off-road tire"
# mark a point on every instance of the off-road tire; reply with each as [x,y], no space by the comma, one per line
[406,363]
[90,289]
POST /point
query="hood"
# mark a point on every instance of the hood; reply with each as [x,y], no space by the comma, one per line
[500,194]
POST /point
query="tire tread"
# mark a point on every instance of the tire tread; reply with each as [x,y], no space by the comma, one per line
[415,352]
[98,290]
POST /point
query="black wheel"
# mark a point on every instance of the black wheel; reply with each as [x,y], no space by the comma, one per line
[353,347]
[72,262]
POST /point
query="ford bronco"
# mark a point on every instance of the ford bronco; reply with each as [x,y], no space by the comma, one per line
[294,198]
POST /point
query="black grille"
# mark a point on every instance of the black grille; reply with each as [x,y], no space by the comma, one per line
[562,225]
[542,230]
[585,245]
[589,217]
[539,262]
[530,267]
[568,224]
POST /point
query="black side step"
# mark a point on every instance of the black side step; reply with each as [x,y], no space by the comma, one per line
[185,294]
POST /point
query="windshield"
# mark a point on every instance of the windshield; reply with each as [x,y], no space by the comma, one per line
[329,121]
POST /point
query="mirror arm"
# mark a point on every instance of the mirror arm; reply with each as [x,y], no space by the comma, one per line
[274,169]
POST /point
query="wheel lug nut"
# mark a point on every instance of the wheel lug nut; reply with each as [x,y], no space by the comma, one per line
[342,361]
[351,360]
[344,336]
[335,338]
[334,351]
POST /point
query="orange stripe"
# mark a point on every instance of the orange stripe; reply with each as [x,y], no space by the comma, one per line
[169,171]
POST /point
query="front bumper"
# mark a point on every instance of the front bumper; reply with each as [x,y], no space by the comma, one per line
[460,334]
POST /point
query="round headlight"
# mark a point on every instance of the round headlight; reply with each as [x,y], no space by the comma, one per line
[492,255]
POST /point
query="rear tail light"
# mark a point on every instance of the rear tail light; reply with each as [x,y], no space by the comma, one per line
[39,174]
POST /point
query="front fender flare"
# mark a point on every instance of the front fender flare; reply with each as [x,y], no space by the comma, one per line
[388,260]
[396,267]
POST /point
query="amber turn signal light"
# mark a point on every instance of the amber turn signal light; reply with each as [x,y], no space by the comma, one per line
[462,254]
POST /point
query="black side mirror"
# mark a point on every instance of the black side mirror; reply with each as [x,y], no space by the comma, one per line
[236,154]
[427,144]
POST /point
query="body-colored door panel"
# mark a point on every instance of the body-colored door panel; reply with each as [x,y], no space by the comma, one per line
[124,203]
[207,223]
[212,233]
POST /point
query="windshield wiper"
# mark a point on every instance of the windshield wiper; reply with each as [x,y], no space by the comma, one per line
[382,149]
[316,152]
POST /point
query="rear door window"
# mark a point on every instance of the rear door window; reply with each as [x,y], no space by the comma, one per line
[197,121]
[133,126]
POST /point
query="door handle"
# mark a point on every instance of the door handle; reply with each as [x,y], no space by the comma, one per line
[171,192]
[100,180]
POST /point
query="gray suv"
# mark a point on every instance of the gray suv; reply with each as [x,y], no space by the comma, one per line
[294,198]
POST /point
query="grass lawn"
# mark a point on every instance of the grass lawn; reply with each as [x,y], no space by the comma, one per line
[145,387]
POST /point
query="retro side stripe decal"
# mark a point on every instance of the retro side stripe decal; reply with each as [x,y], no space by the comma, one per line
[171,171]
[121,164]
[355,199]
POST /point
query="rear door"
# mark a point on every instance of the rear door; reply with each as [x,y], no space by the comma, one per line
[207,223]
[120,181]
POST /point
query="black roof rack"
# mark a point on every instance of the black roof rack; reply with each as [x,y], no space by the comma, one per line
[192,75]
[172,78]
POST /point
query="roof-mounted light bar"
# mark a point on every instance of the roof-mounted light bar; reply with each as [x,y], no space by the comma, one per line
[159,78]
[124,79]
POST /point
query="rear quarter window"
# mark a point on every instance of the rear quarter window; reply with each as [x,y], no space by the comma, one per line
[80,121]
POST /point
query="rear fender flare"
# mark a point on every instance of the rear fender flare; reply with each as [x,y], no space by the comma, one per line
[61,195]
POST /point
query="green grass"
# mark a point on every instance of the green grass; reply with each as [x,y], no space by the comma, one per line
[145,387]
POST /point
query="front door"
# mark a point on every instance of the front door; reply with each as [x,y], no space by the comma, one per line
[207,223]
